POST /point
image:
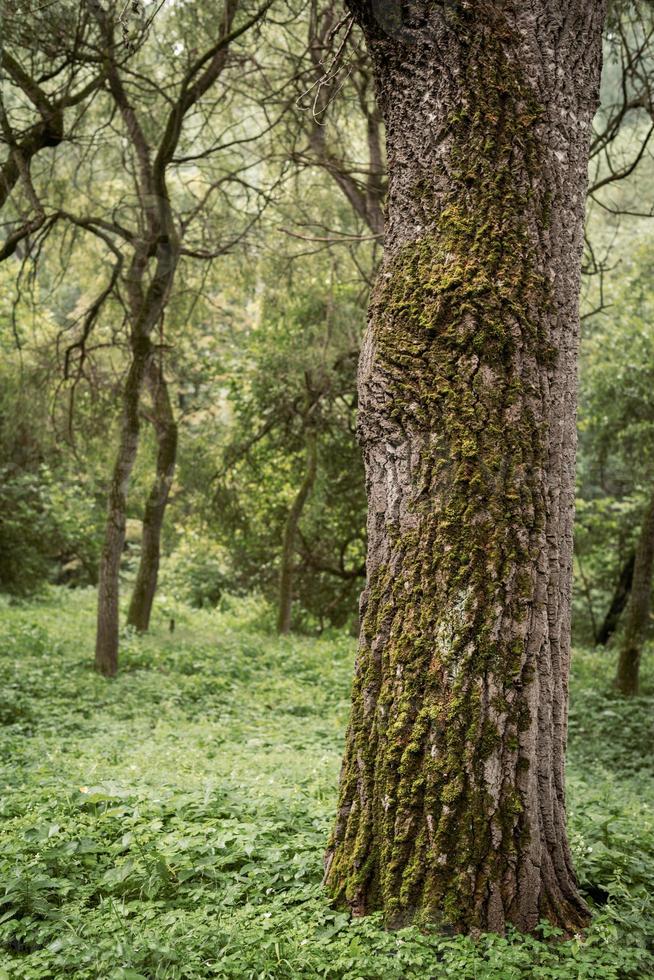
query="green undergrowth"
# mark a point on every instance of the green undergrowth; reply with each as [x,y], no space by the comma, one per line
[171,823]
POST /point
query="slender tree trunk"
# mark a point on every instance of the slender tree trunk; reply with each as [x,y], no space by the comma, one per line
[106,643]
[589,598]
[147,306]
[638,610]
[452,800]
[618,602]
[290,534]
[165,427]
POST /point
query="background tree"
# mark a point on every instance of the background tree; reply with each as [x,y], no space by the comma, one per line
[638,610]
[166,429]
[147,232]
[148,288]
[617,446]
[612,493]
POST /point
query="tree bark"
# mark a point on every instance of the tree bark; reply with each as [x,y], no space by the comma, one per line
[106,641]
[452,800]
[145,587]
[290,534]
[638,610]
[618,602]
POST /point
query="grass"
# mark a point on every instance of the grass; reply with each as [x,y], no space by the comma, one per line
[171,823]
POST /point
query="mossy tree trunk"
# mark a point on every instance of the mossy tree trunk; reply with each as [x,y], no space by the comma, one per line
[165,428]
[286,574]
[638,610]
[452,801]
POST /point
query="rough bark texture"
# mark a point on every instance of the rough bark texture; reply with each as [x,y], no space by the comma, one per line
[452,806]
[638,610]
[618,602]
[106,641]
[165,427]
[290,535]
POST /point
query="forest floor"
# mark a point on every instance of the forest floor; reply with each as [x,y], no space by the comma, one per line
[171,823]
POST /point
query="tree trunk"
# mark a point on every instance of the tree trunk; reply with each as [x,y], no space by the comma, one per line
[618,602]
[452,802]
[638,610]
[106,642]
[290,534]
[145,587]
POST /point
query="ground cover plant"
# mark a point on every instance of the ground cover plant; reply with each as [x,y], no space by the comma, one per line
[171,823]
